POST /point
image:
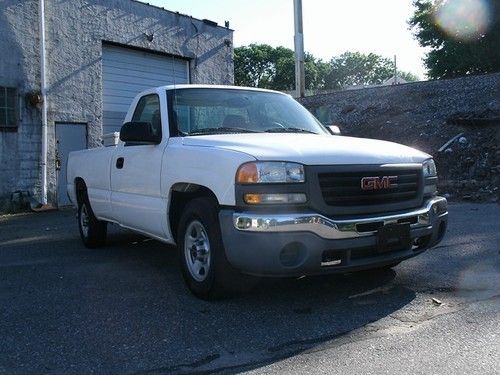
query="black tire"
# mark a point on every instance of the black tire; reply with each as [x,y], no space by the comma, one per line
[212,277]
[92,231]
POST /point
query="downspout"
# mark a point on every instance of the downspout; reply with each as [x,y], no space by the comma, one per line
[43,84]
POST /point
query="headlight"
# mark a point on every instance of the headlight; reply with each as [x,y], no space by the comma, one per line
[430,178]
[270,172]
[429,168]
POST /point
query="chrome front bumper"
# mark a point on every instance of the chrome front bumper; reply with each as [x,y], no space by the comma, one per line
[337,229]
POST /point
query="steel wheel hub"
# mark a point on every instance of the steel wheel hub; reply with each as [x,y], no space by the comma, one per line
[197,250]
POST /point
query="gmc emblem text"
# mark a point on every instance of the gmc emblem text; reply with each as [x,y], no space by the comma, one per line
[377,183]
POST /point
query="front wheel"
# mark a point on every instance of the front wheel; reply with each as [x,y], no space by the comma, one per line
[92,231]
[204,265]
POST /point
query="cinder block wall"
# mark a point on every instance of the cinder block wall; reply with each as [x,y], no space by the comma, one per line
[19,67]
[75,32]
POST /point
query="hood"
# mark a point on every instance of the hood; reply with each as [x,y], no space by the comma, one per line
[311,149]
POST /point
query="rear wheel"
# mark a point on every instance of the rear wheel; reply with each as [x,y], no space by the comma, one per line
[204,265]
[92,231]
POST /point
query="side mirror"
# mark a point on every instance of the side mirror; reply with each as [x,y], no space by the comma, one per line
[334,129]
[139,132]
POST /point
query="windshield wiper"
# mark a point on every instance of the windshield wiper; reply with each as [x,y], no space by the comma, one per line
[222,130]
[288,130]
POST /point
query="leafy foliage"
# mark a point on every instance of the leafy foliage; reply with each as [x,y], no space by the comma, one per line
[355,68]
[451,55]
[407,76]
[253,65]
[260,65]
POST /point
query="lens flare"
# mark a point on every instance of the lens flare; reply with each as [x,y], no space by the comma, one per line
[464,20]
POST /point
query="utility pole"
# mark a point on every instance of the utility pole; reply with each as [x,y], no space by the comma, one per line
[299,49]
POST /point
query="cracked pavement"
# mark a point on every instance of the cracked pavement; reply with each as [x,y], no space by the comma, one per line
[124,309]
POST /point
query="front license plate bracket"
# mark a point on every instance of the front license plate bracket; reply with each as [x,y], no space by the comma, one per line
[393,237]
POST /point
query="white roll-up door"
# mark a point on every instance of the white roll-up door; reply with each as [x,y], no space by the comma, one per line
[126,72]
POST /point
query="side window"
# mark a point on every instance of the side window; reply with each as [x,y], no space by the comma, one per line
[8,108]
[148,110]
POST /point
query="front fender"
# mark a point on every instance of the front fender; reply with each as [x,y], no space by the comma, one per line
[207,166]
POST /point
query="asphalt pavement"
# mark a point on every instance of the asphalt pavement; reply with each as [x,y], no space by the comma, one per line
[123,308]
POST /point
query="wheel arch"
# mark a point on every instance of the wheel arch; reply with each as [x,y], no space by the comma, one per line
[180,195]
[80,190]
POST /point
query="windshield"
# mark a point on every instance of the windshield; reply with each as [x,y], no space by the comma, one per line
[201,111]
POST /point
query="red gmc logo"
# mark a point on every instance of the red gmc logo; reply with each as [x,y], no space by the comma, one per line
[377,183]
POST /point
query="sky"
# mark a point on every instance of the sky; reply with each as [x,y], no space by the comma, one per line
[331,27]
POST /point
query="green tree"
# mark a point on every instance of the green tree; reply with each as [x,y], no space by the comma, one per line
[407,76]
[316,71]
[260,65]
[284,78]
[355,68]
[253,65]
[284,69]
[461,43]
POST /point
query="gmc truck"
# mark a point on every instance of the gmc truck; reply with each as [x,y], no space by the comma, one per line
[247,182]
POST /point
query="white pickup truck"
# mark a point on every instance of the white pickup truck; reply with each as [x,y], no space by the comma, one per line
[247,182]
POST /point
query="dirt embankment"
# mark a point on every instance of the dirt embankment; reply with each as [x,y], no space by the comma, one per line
[457,121]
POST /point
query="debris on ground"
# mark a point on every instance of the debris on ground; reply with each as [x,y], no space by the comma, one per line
[449,142]
[436,301]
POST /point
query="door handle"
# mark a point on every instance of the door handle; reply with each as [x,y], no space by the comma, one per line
[119,163]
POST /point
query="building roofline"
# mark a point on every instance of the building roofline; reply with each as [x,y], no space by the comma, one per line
[181,14]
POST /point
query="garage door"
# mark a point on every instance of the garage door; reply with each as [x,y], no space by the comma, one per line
[126,72]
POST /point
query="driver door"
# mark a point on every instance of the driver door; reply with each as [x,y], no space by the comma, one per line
[136,175]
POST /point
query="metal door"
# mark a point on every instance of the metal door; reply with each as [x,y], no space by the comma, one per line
[69,137]
[127,72]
